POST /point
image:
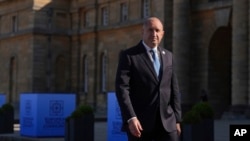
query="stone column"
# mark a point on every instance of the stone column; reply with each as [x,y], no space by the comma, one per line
[181,47]
[239,56]
[168,24]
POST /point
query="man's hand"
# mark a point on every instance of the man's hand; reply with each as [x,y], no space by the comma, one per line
[135,127]
[178,127]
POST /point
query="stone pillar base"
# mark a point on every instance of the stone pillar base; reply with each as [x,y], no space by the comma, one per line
[237,112]
[248,112]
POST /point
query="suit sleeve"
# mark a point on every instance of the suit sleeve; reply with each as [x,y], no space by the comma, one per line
[122,86]
[176,98]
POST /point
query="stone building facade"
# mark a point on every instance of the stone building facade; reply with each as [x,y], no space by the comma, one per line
[73,46]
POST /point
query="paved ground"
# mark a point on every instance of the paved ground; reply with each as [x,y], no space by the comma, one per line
[101,131]
[100,134]
[221,132]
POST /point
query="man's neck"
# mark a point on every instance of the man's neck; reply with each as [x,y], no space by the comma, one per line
[147,46]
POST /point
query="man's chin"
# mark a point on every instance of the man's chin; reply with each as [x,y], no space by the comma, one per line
[154,44]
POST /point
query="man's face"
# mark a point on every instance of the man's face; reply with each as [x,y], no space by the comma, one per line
[152,33]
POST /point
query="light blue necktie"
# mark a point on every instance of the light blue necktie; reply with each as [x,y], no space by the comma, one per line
[156,60]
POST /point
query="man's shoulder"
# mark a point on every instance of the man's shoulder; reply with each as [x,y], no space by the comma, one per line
[134,48]
[166,51]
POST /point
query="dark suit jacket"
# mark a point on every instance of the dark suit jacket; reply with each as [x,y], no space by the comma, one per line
[141,93]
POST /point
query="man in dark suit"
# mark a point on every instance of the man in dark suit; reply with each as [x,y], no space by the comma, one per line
[147,89]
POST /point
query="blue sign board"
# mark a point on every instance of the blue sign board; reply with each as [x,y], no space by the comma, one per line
[43,114]
[114,120]
[2,99]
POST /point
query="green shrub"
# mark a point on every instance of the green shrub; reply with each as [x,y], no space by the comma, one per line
[85,109]
[76,114]
[7,107]
[192,117]
[204,109]
[198,112]
[81,111]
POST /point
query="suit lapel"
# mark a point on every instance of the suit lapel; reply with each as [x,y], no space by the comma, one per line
[162,61]
[147,61]
[166,61]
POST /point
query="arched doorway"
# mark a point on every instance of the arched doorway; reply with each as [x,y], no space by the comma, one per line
[219,73]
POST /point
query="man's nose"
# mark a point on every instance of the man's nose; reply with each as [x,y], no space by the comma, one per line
[154,33]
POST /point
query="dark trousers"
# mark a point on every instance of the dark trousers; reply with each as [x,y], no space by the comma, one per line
[158,134]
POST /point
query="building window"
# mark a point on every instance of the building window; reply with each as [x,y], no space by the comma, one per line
[12,78]
[60,74]
[85,74]
[105,16]
[50,13]
[145,8]
[60,20]
[104,72]
[14,24]
[124,12]
[86,19]
[62,15]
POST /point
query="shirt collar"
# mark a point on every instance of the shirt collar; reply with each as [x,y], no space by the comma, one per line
[147,47]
